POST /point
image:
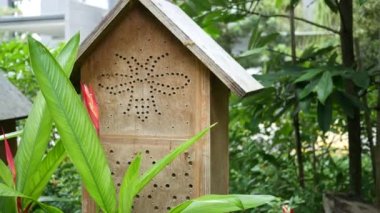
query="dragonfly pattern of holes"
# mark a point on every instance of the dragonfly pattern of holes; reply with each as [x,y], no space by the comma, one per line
[143,73]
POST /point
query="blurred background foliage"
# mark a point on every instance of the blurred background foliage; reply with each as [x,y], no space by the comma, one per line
[262,147]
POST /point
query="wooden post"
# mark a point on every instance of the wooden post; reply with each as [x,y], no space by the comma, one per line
[8,126]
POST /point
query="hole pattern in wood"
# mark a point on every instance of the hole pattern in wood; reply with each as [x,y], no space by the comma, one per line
[171,187]
[143,72]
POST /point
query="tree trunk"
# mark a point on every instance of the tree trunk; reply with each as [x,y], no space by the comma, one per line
[353,124]
[377,149]
[296,122]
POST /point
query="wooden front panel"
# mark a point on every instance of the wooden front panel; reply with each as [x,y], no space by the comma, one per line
[153,95]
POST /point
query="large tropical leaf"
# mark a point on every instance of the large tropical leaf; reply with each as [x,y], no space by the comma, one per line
[222,203]
[45,170]
[127,189]
[160,165]
[38,126]
[6,191]
[74,125]
[7,204]
[6,175]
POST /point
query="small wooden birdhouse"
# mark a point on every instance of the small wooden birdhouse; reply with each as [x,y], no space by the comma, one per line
[159,79]
[13,106]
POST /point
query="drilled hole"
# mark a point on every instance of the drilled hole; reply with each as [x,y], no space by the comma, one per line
[190,185]
[167,185]
[117,162]
[147,151]
[173,174]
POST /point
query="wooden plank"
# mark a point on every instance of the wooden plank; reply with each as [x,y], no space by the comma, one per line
[14,105]
[190,34]
[219,137]
[152,94]
[231,73]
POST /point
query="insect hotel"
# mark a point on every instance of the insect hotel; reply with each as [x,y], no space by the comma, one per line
[159,79]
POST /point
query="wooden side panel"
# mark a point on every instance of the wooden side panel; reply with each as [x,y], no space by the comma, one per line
[153,94]
[219,137]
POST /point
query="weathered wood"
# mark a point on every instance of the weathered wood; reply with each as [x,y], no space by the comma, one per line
[8,126]
[153,94]
[14,105]
[189,33]
[333,203]
[219,137]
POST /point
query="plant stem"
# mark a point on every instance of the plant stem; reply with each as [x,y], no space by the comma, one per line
[296,122]
[11,135]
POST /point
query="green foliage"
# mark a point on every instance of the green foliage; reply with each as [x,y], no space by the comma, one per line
[222,203]
[79,140]
[14,60]
[73,123]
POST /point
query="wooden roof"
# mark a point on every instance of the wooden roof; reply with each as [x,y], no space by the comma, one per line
[13,104]
[230,72]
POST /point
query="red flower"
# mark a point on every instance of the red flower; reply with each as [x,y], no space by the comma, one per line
[9,156]
[91,104]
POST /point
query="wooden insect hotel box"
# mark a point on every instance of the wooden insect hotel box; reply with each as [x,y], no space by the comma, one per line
[159,79]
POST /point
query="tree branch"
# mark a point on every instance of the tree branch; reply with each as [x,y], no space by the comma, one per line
[295,18]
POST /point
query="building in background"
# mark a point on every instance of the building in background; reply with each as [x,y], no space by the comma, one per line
[54,20]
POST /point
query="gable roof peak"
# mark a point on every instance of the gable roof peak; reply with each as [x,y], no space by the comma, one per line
[211,54]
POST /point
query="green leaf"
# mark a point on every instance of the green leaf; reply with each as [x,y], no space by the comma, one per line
[325,114]
[255,35]
[265,39]
[324,87]
[77,133]
[160,165]
[7,204]
[6,175]
[47,167]
[310,74]
[6,191]
[308,89]
[345,103]
[222,203]
[38,126]
[128,186]
[251,52]
[361,79]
